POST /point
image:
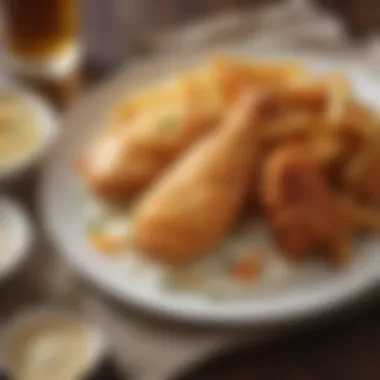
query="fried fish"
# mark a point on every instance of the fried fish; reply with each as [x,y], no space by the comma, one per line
[200,198]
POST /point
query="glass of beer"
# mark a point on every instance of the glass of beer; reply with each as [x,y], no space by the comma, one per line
[42,33]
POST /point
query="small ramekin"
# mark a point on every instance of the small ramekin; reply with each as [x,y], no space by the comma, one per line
[48,127]
[28,318]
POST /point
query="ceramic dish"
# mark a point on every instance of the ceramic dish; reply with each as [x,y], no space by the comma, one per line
[50,341]
[300,291]
[16,236]
[36,121]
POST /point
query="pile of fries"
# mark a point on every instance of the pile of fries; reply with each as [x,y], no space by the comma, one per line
[319,118]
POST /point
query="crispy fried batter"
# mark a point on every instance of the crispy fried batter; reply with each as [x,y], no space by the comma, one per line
[301,206]
[196,203]
[316,141]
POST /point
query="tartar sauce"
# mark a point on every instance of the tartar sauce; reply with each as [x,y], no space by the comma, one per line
[58,349]
[19,131]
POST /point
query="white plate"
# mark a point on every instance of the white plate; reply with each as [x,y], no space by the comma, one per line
[16,236]
[62,215]
[30,318]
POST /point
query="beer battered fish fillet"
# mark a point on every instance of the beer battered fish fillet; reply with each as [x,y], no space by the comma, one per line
[124,161]
[303,212]
[200,198]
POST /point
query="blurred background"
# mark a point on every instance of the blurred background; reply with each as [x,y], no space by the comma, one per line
[127,23]
[113,30]
[361,16]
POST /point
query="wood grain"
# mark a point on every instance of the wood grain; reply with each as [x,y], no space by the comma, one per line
[343,351]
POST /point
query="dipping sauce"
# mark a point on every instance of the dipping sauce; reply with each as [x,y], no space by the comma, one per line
[54,348]
[19,129]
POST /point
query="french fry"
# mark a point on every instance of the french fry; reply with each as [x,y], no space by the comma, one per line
[233,75]
[289,127]
[340,93]
[259,71]
[153,97]
[327,94]
[305,95]
[190,85]
[327,149]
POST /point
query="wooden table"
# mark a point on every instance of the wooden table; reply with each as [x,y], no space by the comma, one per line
[348,350]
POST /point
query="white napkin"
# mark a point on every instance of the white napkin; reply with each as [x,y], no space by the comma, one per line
[292,21]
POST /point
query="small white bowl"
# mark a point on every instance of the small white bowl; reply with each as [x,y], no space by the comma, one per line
[37,317]
[47,123]
[16,236]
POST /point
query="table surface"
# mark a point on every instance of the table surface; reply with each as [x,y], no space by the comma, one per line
[348,350]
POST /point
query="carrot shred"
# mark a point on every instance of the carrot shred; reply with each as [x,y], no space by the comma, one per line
[106,244]
[248,268]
